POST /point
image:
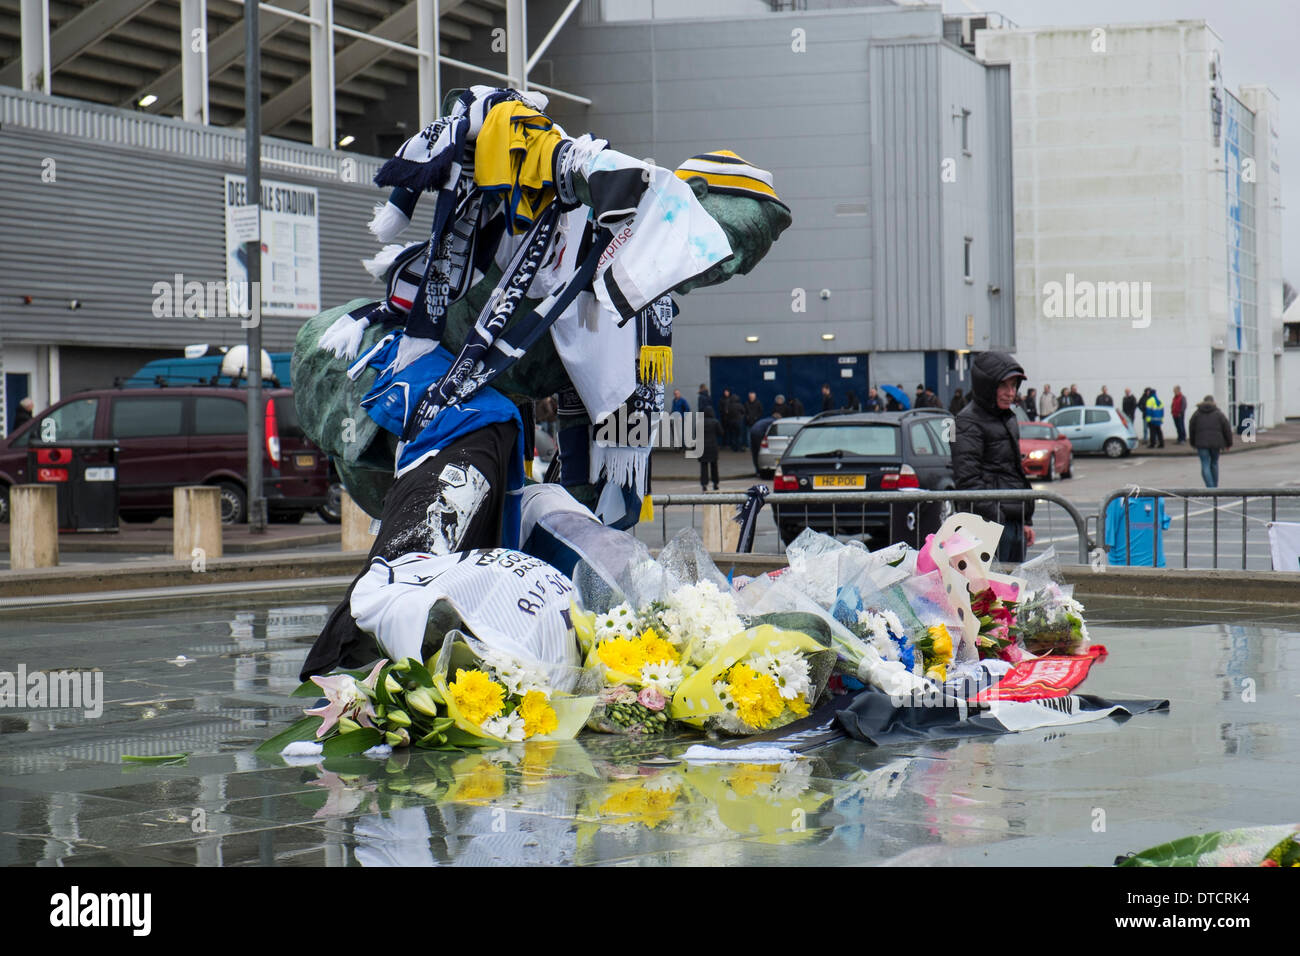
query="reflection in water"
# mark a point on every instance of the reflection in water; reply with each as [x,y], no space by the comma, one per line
[216,683]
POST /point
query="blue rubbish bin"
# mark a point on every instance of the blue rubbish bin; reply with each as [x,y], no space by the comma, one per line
[1143,545]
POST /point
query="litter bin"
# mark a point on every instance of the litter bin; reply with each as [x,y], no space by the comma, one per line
[1143,545]
[85,472]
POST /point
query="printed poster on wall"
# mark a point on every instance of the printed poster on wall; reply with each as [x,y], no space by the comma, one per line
[290,248]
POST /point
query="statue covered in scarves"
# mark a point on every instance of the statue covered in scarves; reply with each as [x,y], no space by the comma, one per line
[547,272]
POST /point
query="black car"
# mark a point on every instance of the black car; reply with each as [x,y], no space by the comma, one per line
[866,451]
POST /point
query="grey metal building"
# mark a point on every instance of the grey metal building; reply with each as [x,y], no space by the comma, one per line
[890,143]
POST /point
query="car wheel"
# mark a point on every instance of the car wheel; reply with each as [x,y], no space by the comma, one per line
[332,511]
[234,503]
[1051,468]
[1114,448]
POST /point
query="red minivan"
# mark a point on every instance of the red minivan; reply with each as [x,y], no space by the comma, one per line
[182,436]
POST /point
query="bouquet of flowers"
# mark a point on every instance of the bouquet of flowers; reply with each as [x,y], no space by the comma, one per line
[774,802]
[638,670]
[392,704]
[1051,621]
[760,679]
[997,617]
[495,696]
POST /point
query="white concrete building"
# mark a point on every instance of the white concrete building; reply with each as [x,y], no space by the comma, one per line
[1147,215]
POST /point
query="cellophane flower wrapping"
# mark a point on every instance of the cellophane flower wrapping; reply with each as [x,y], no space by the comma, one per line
[758,680]
[644,632]
[1048,620]
[500,697]
[781,603]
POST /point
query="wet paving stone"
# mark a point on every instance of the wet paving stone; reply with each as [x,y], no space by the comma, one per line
[214,683]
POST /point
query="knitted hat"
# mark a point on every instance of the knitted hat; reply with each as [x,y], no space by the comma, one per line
[725,172]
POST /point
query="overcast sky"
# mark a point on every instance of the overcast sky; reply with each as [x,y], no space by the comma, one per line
[1261,44]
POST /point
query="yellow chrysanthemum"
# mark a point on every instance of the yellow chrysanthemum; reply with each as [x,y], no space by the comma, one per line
[476,695]
[485,781]
[798,705]
[655,648]
[942,642]
[757,698]
[636,804]
[937,672]
[621,655]
[539,717]
[748,777]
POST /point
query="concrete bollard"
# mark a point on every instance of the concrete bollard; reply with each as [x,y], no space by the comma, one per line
[720,533]
[356,526]
[196,523]
[33,526]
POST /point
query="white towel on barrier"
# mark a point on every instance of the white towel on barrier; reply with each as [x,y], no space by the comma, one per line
[1284,539]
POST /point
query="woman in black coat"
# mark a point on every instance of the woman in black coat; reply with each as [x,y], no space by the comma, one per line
[986,453]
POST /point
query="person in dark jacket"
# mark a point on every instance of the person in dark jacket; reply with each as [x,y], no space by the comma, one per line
[703,398]
[828,403]
[753,410]
[732,414]
[756,435]
[779,407]
[1030,404]
[709,458]
[1129,404]
[986,453]
[873,403]
[1209,432]
[795,406]
[24,413]
[1104,398]
[851,401]
[957,403]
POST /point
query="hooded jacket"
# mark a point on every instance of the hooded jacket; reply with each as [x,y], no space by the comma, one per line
[986,453]
[1209,428]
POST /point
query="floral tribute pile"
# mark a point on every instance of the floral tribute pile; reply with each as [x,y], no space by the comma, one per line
[668,645]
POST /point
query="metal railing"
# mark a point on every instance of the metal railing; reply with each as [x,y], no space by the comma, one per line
[861,499]
[1187,494]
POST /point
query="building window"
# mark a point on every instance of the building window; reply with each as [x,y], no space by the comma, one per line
[1291,335]
[965,132]
[966,260]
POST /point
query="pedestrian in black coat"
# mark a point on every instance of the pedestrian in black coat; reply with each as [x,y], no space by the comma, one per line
[709,459]
[986,453]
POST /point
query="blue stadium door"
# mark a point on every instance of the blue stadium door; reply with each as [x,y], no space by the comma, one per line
[791,375]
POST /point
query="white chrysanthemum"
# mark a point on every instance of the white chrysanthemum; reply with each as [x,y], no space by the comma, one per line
[702,615]
[618,621]
[724,696]
[506,728]
[518,676]
[665,675]
[790,671]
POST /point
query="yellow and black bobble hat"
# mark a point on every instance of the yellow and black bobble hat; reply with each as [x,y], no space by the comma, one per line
[725,172]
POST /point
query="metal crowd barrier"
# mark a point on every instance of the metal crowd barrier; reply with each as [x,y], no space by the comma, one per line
[1187,494]
[864,498]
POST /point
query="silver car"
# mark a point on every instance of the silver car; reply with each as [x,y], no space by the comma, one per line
[1095,429]
[775,441]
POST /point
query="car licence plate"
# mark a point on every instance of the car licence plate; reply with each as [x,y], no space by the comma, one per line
[839,481]
[304,461]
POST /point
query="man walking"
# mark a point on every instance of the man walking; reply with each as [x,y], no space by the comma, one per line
[1046,402]
[1155,416]
[1209,433]
[986,454]
[1176,408]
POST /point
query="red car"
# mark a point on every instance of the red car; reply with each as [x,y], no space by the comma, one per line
[182,436]
[1044,451]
